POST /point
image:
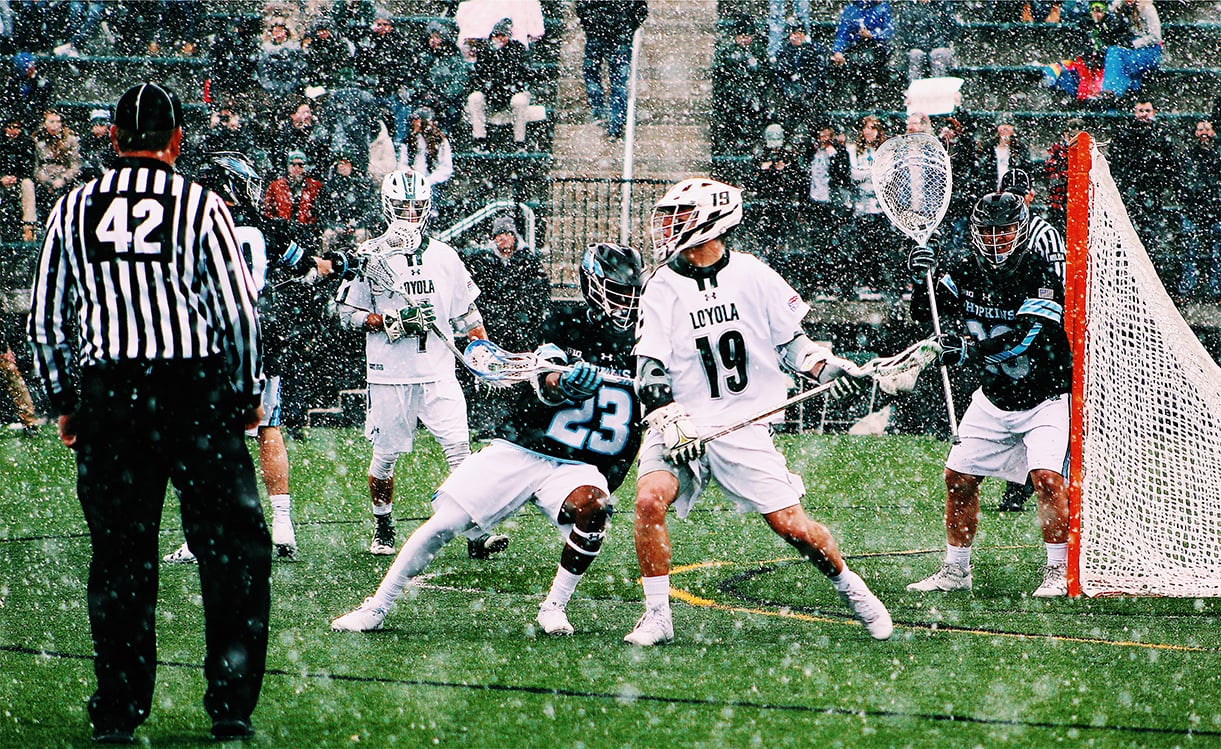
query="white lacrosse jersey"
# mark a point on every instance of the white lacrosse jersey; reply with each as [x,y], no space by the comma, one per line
[716,330]
[434,273]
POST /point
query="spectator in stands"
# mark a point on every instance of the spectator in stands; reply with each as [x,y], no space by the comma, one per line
[741,83]
[1055,173]
[348,120]
[956,138]
[1127,63]
[800,69]
[1004,151]
[176,26]
[329,57]
[353,18]
[18,215]
[97,152]
[84,18]
[1095,32]
[384,63]
[1142,159]
[38,24]
[609,27]
[828,209]
[27,93]
[918,122]
[515,299]
[280,63]
[874,240]
[293,199]
[862,48]
[226,132]
[926,30]
[346,205]
[444,76]
[1200,234]
[301,133]
[427,151]
[775,186]
[1047,12]
[57,159]
[782,15]
[475,19]
[231,55]
[500,81]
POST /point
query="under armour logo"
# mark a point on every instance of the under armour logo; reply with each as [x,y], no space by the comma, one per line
[709,296]
[416,271]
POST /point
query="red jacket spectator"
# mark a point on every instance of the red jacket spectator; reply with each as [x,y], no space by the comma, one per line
[293,198]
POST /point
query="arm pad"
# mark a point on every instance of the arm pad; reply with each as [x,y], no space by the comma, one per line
[653,384]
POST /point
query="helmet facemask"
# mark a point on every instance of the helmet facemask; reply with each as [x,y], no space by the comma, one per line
[232,175]
[1000,230]
[692,212]
[611,280]
[406,201]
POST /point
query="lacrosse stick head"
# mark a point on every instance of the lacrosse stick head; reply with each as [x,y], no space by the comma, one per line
[381,278]
[898,374]
[912,181]
[497,367]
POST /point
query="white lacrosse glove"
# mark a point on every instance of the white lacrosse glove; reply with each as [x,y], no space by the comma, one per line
[678,433]
[580,382]
[847,378]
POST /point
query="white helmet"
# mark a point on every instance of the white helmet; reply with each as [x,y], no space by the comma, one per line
[692,212]
[406,199]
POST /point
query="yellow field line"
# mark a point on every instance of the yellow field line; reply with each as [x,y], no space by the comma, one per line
[694,600]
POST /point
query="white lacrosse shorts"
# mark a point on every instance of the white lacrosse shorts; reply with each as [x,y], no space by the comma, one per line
[498,480]
[271,406]
[751,471]
[1010,444]
[395,411]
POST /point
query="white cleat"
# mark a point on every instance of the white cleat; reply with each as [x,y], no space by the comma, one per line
[654,628]
[1055,582]
[553,620]
[868,608]
[365,618]
[283,538]
[181,555]
[949,578]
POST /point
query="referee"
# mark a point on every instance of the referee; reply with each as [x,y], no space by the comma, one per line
[143,305]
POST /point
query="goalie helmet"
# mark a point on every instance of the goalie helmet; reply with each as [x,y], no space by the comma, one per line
[1000,230]
[406,199]
[691,213]
[232,175]
[611,278]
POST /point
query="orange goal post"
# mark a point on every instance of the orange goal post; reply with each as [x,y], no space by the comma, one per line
[1145,447]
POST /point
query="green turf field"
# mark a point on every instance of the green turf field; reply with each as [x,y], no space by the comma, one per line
[765,653]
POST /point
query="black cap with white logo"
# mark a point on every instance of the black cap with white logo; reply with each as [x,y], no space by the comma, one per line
[148,107]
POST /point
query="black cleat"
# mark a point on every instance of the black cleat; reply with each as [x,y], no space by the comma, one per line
[486,545]
[232,730]
[1014,498]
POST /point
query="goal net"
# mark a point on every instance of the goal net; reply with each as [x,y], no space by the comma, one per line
[1145,475]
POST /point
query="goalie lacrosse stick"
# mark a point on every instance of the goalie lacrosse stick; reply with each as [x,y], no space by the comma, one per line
[893,374]
[912,181]
[501,369]
[384,279]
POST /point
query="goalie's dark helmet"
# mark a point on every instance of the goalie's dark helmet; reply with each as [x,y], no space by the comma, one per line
[232,175]
[1000,230]
[611,278]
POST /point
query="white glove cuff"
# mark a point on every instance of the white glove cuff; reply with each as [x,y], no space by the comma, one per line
[835,367]
[659,419]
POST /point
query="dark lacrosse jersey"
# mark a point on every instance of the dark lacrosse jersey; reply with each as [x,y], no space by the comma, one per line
[604,430]
[1016,320]
[265,245]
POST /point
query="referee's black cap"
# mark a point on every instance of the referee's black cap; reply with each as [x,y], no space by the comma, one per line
[148,107]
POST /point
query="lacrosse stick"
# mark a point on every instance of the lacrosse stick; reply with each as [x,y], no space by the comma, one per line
[912,181]
[893,374]
[502,369]
[383,279]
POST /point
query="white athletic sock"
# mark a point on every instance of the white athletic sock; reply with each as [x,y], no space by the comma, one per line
[1057,555]
[563,586]
[959,555]
[447,521]
[845,581]
[385,509]
[280,506]
[657,592]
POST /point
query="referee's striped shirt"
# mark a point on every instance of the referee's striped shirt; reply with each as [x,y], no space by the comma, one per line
[141,264]
[1046,240]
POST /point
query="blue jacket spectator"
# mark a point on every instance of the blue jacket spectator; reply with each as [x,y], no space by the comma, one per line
[862,49]
[26,93]
[1127,64]
[861,20]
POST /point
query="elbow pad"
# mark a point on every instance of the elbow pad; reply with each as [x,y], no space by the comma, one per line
[467,321]
[653,385]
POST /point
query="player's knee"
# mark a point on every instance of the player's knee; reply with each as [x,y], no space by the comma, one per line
[1047,484]
[654,493]
[961,486]
[381,466]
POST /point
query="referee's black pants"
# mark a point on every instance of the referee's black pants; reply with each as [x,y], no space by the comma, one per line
[139,426]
